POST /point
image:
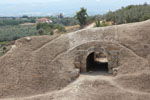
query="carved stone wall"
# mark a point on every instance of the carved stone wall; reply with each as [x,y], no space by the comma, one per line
[111,52]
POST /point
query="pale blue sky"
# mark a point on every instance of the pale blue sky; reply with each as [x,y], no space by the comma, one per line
[68,7]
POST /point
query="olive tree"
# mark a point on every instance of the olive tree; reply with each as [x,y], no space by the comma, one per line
[82,16]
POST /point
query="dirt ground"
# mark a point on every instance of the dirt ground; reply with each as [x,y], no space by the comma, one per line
[48,67]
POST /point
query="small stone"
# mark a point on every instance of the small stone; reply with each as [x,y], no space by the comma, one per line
[28,38]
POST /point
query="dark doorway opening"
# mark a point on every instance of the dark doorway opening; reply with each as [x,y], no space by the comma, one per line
[97,62]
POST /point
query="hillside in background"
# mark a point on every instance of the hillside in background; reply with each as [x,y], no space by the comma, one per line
[132,13]
[13,28]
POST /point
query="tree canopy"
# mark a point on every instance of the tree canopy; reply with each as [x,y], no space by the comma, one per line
[132,13]
[82,16]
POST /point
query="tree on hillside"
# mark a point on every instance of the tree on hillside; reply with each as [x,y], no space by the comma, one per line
[82,16]
[25,16]
[131,13]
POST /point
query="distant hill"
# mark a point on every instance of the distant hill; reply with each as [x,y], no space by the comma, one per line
[132,13]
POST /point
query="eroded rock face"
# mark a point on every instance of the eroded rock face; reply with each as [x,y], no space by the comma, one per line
[47,63]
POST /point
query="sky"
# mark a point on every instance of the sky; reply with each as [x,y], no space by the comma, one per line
[67,7]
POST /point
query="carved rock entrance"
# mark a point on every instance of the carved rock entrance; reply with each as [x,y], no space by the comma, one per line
[103,56]
[97,62]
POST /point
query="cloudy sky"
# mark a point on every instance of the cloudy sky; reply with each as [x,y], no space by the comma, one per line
[68,7]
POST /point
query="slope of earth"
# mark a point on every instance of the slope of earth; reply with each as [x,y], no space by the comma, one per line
[48,67]
[92,86]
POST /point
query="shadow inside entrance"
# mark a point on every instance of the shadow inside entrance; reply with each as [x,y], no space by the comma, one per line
[96,63]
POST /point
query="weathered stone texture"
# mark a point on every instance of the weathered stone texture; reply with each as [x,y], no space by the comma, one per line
[47,63]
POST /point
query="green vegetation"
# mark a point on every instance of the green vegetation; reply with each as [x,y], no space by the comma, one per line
[3,50]
[60,28]
[90,19]
[48,29]
[45,29]
[12,32]
[82,16]
[99,23]
[15,21]
[3,47]
[3,43]
[10,28]
[9,33]
[65,21]
[132,13]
